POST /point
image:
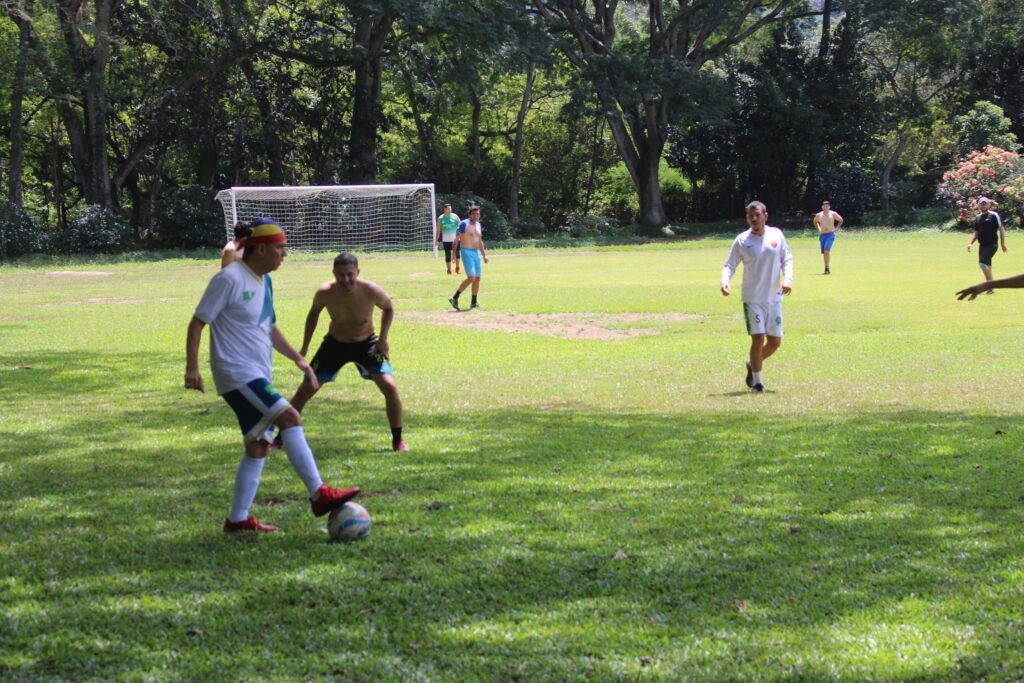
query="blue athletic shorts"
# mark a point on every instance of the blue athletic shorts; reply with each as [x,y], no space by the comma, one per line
[826,240]
[256,405]
[333,354]
[471,261]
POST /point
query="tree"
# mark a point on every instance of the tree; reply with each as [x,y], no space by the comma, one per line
[640,62]
[984,125]
[914,49]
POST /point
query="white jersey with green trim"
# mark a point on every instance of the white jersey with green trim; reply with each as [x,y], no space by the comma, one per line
[238,306]
[764,257]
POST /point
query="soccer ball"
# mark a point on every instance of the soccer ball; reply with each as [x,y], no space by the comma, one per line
[350,522]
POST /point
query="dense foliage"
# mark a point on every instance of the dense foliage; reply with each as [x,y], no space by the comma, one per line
[641,112]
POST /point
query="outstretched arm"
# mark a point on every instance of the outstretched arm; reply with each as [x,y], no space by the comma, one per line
[1015,282]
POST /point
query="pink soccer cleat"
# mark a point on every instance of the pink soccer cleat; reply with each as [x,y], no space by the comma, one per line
[402,446]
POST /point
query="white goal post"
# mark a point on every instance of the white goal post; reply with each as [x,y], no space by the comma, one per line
[339,217]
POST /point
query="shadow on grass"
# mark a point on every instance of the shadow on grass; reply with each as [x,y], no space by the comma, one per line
[530,544]
[525,544]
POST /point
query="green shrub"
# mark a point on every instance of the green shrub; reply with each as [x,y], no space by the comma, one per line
[528,227]
[20,233]
[189,218]
[589,226]
[93,229]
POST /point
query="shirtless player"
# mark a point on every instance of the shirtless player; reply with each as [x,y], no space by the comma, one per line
[469,240]
[350,302]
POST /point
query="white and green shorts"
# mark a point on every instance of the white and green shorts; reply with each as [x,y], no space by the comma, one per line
[764,318]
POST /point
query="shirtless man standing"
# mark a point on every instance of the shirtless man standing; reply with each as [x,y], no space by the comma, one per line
[469,240]
[827,222]
[350,302]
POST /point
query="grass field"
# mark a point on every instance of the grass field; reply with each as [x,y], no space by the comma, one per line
[592,492]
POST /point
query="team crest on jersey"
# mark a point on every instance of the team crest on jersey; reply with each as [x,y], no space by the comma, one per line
[774,244]
[248,295]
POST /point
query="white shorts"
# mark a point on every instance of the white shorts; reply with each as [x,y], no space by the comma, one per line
[764,318]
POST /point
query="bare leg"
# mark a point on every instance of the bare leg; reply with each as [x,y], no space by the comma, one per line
[476,285]
[302,396]
[826,254]
[771,345]
[392,401]
[756,351]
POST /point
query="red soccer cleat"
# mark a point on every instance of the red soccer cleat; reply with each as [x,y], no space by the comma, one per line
[328,498]
[248,524]
[401,446]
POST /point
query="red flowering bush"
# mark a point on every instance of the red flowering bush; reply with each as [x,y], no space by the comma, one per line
[991,172]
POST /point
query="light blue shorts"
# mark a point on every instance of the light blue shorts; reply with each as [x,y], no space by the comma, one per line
[471,261]
[826,240]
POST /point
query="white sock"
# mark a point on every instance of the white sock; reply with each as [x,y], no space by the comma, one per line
[757,378]
[247,480]
[301,457]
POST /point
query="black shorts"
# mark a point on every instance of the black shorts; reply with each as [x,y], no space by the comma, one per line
[333,354]
[986,252]
[448,251]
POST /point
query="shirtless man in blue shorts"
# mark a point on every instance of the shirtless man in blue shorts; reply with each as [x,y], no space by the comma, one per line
[827,222]
[350,301]
[469,239]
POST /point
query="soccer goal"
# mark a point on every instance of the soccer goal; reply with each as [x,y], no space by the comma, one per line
[339,217]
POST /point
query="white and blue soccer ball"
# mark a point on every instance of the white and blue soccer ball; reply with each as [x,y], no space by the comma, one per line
[350,522]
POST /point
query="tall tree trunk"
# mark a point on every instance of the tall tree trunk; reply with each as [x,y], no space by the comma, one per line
[370,35]
[17,163]
[424,134]
[473,142]
[826,29]
[89,63]
[902,138]
[268,118]
[517,147]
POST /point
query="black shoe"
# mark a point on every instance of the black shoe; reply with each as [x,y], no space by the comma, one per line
[750,375]
[826,272]
[455,303]
[757,388]
[475,306]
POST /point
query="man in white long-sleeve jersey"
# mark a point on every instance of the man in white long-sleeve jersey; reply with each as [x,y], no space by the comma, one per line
[765,256]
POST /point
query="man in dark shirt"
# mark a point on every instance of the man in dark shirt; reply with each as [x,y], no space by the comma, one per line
[990,234]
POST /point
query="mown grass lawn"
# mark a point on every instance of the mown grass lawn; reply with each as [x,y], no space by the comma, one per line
[604,507]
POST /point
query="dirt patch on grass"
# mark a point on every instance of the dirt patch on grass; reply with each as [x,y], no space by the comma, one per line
[78,273]
[606,326]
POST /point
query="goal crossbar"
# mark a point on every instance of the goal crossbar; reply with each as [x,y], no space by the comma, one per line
[339,217]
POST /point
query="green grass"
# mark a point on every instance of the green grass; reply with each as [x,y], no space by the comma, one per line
[572,509]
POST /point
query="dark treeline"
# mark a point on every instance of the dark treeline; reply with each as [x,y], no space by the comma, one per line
[135,112]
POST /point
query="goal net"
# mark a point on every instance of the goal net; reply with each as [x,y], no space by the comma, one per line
[339,217]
